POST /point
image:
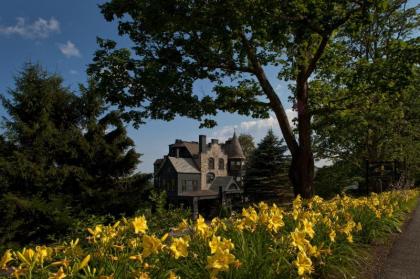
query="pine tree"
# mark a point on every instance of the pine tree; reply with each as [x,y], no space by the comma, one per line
[266,176]
[63,155]
[110,158]
[42,129]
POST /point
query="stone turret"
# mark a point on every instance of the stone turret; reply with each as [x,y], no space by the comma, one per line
[235,149]
[236,159]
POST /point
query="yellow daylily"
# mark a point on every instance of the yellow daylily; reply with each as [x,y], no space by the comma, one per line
[172,275]
[275,223]
[308,228]
[303,264]
[179,247]
[182,226]
[298,239]
[83,263]
[220,261]
[151,245]
[201,227]
[26,256]
[60,274]
[332,236]
[96,232]
[218,244]
[7,257]
[140,224]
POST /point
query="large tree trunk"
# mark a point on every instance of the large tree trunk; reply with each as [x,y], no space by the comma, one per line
[301,171]
[301,174]
[302,168]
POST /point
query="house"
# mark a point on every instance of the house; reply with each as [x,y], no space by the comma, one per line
[194,171]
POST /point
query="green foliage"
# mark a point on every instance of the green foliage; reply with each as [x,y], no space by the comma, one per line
[365,93]
[160,214]
[266,174]
[333,180]
[247,144]
[62,156]
[231,44]
[159,200]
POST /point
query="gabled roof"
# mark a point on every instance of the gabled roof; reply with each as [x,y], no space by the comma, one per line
[227,183]
[183,165]
[191,146]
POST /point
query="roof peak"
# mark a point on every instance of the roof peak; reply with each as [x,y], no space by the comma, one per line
[235,148]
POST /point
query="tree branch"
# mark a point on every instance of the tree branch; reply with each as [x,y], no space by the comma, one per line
[275,102]
[317,56]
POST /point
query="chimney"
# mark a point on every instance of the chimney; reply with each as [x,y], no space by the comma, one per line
[214,141]
[177,152]
[202,144]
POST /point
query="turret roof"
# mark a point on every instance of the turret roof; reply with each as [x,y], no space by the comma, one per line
[234,148]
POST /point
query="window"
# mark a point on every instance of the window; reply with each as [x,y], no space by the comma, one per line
[189,185]
[210,177]
[221,164]
[211,164]
[235,165]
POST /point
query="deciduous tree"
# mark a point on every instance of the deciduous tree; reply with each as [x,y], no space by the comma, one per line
[230,43]
[247,144]
[365,95]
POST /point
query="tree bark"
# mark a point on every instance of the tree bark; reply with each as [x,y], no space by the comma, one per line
[301,172]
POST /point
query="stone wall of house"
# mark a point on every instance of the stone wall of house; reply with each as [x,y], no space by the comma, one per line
[214,150]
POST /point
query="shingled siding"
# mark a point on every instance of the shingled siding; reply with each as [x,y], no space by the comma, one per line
[213,151]
[167,176]
[187,177]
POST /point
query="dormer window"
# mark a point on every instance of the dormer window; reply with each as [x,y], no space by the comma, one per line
[221,164]
[211,164]
[210,177]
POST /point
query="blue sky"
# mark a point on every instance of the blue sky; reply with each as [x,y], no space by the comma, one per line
[61,36]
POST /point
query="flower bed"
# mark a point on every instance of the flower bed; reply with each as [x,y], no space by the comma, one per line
[315,238]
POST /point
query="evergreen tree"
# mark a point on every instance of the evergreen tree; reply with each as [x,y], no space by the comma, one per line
[266,175]
[42,128]
[110,158]
[65,155]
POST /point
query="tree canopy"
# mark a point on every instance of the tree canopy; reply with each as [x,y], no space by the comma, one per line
[366,101]
[230,43]
[247,144]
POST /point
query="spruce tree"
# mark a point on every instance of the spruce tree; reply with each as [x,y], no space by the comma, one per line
[42,127]
[110,158]
[63,155]
[266,175]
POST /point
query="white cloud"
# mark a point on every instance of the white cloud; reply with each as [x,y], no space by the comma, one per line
[257,128]
[69,49]
[39,29]
[73,72]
